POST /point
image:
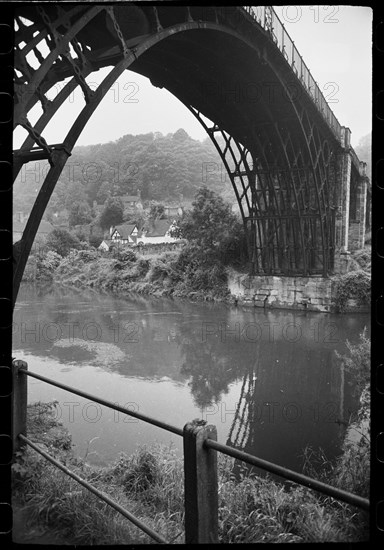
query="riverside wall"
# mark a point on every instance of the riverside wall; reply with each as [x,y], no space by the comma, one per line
[301,293]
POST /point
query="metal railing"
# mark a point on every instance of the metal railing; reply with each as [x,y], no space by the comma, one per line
[268,19]
[200,448]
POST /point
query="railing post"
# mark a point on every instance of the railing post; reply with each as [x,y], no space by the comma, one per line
[19,403]
[200,484]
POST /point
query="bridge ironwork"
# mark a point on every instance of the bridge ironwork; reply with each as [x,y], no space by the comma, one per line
[237,70]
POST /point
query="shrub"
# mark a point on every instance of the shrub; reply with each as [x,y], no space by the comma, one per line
[142,473]
[125,256]
[142,266]
[87,255]
[62,241]
[46,265]
[355,284]
[352,471]
[159,270]
[358,362]
[363,258]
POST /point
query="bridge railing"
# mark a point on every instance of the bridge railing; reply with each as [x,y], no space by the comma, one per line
[269,20]
[200,448]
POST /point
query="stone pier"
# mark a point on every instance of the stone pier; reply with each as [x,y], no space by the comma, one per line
[300,293]
[351,203]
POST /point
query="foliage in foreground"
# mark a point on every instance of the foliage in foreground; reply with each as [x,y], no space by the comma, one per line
[358,362]
[361,259]
[183,273]
[149,484]
[352,285]
[353,472]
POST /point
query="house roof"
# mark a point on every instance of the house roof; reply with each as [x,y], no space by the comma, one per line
[158,228]
[106,241]
[125,230]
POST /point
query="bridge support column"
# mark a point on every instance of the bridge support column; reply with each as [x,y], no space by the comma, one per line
[357,226]
[343,184]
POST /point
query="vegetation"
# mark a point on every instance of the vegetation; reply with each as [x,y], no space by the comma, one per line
[363,151]
[361,259]
[358,362]
[196,269]
[172,273]
[79,214]
[352,285]
[161,168]
[356,283]
[157,211]
[149,484]
[62,242]
[112,213]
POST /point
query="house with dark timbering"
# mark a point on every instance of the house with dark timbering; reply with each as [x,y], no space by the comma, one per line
[128,235]
[124,234]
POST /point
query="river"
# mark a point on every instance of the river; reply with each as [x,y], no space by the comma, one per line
[268,379]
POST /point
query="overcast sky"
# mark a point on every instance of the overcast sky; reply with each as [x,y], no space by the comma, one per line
[335,42]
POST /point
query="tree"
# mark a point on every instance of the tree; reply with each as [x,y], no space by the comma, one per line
[209,224]
[162,167]
[180,135]
[74,193]
[79,214]
[363,151]
[157,211]
[104,192]
[62,241]
[96,237]
[112,213]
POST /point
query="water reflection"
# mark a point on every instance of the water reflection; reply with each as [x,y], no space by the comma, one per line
[268,380]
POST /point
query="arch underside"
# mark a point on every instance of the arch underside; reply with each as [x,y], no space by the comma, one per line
[278,153]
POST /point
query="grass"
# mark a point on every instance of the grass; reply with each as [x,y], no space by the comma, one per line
[149,483]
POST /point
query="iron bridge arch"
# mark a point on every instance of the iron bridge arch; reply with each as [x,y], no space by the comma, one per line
[277,138]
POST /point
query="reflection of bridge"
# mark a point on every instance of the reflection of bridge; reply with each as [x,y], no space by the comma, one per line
[297,180]
[283,407]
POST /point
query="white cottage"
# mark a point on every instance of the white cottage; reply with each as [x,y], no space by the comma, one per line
[125,234]
[157,232]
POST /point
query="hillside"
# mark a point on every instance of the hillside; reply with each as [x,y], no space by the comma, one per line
[161,168]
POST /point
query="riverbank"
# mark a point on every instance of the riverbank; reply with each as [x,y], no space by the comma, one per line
[186,273]
[170,274]
[149,484]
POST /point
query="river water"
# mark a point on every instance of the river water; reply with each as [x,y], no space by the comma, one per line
[269,380]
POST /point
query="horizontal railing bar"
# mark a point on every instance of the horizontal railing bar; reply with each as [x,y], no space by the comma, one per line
[114,406]
[95,491]
[301,479]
